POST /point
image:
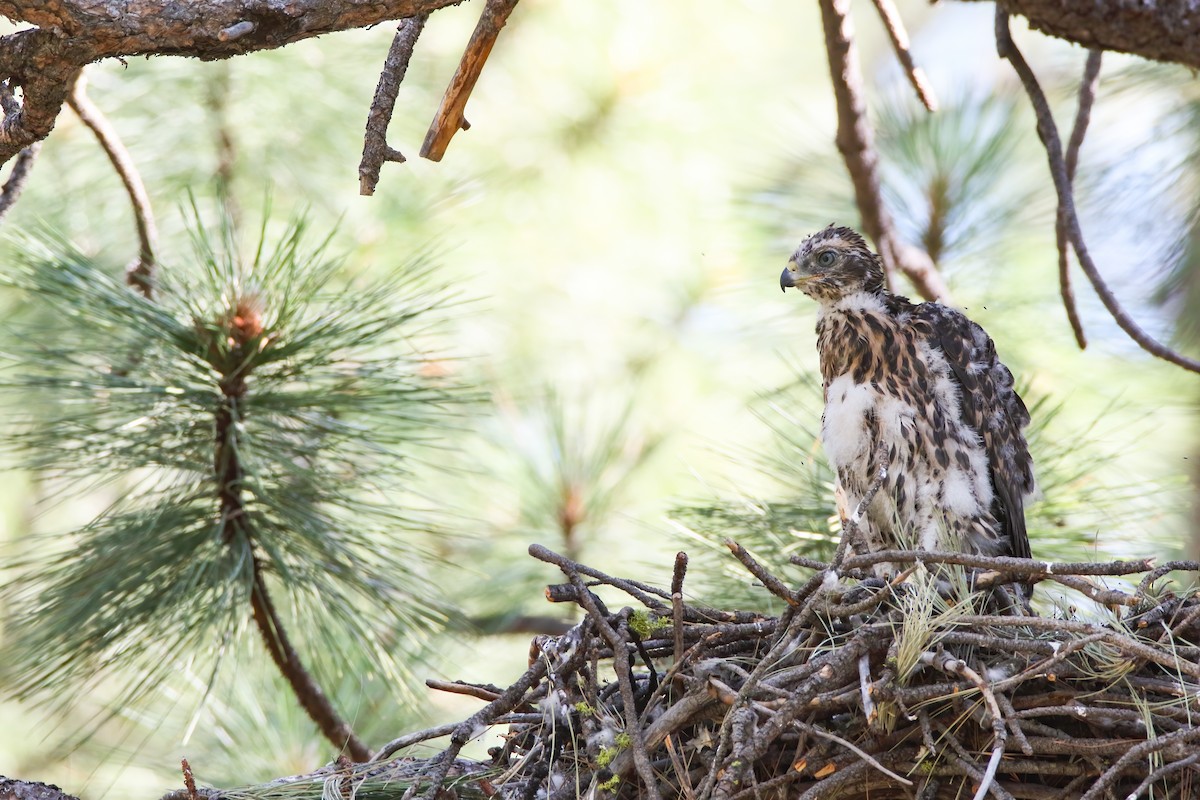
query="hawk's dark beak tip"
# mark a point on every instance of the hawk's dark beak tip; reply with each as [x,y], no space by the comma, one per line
[786,280]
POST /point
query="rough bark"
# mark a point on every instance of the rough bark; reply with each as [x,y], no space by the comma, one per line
[1160,30]
[70,34]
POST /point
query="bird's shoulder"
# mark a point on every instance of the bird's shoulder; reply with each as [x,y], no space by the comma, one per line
[969,352]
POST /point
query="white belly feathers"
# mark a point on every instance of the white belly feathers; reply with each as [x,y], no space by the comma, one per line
[844,432]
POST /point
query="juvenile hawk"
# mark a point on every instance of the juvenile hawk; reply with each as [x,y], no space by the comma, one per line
[922,385]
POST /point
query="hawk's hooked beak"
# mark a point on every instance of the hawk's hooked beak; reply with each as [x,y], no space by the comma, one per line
[790,277]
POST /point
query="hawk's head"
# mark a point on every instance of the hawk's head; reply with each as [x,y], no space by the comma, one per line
[832,264]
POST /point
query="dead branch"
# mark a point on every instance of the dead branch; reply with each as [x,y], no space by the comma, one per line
[17,178]
[1048,131]
[1083,114]
[449,118]
[899,38]
[375,146]
[140,273]
[855,141]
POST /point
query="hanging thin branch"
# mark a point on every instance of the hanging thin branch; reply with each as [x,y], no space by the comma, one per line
[855,141]
[890,16]
[1048,132]
[1083,115]
[140,273]
[375,147]
[449,118]
[17,178]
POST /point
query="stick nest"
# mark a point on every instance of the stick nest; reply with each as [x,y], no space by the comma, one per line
[935,682]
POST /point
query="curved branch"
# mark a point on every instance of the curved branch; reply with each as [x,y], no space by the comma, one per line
[140,273]
[1048,132]
[1083,115]
[855,141]
[315,702]
[17,178]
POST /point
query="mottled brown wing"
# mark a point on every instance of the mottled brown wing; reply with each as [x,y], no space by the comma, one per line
[991,407]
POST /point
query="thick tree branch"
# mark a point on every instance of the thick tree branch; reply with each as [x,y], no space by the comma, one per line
[43,61]
[375,146]
[1048,131]
[1161,30]
[140,273]
[449,118]
[855,141]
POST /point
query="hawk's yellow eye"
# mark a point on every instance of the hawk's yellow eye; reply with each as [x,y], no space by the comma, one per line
[826,258]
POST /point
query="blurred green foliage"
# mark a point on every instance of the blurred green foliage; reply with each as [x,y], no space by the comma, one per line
[617,224]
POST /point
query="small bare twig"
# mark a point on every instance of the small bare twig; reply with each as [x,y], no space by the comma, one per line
[1138,752]
[864,686]
[955,666]
[677,576]
[17,178]
[855,141]
[189,780]
[773,584]
[881,474]
[1048,132]
[1083,114]
[685,780]
[488,693]
[858,751]
[408,740]
[449,118]
[899,36]
[1162,772]
[375,147]
[140,273]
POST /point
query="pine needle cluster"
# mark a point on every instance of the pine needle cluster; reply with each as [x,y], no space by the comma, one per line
[251,432]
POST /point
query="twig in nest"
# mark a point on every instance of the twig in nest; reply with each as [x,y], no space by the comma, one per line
[899,36]
[772,584]
[1137,753]
[1161,773]
[633,725]
[864,686]
[955,666]
[1048,132]
[139,274]
[18,178]
[864,755]
[680,571]
[1083,114]
[408,740]
[488,693]
[449,118]
[855,141]
[375,146]
[685,780]
[1010,566]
